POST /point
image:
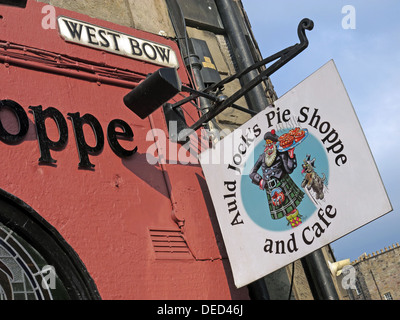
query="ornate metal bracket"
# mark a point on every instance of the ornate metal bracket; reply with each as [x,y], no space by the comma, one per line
[221,102]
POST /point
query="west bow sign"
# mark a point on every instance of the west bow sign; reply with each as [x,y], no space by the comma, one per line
[294,178]
[90,35]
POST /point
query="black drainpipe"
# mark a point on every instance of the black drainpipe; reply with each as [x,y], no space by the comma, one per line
[234,24]
[256,98]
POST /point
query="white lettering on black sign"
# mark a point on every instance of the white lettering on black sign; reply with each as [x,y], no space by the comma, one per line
[116,42]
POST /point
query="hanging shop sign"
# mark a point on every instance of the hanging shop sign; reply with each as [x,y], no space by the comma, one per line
[296,177]
[90,35]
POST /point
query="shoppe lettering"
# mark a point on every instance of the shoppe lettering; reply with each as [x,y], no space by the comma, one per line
[331,138]
[308,235]
[117,130]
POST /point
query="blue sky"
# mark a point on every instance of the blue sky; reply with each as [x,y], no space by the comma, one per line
[368,60]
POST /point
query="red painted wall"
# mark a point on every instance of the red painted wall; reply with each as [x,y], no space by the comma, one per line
[105,214]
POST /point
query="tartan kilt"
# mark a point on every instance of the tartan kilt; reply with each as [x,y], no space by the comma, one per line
[293,196]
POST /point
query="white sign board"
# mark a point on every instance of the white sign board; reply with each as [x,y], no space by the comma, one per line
[90,35]
[294,178]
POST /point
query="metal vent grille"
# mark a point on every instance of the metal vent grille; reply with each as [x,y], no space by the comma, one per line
[169,244]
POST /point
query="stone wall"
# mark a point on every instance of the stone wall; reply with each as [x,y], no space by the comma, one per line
[378,275]
[149,15]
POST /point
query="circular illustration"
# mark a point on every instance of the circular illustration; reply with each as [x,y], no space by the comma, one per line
[284,179]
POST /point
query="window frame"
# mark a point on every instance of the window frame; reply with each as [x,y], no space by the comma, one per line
[29,225]
[387,296]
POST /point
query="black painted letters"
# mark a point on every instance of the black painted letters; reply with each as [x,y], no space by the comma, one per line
[83,148]
[113,137]
[46,144]
[23,121]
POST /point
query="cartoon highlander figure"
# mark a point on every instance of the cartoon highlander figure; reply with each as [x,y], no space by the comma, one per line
[277,162]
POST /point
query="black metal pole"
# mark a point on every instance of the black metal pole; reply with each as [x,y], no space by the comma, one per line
[319,277]
[256,98]
[234,27]
[258,290]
